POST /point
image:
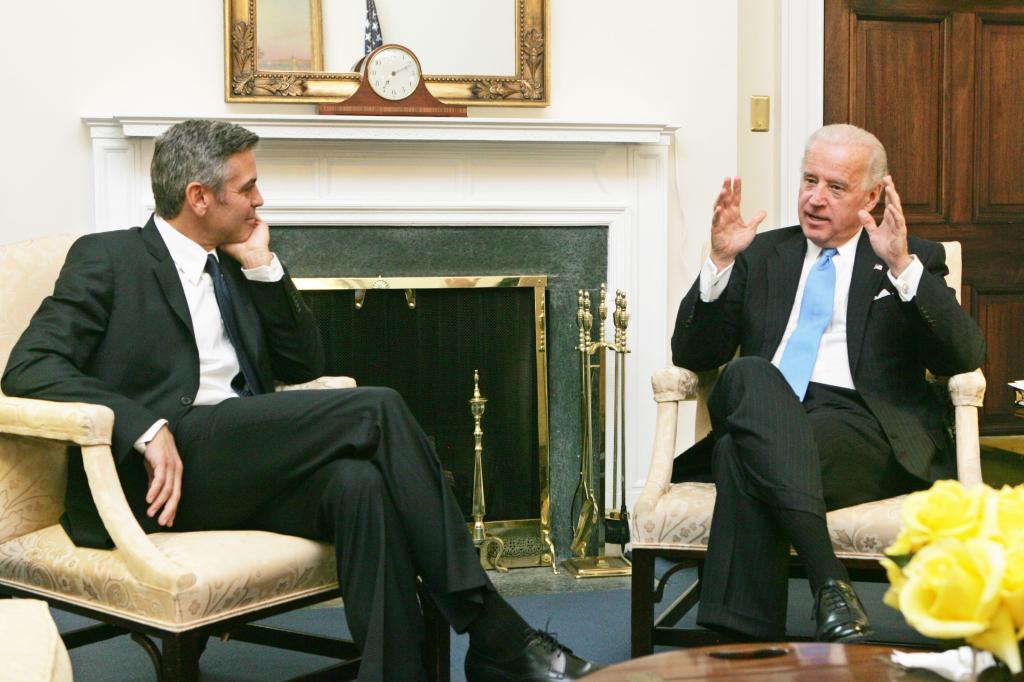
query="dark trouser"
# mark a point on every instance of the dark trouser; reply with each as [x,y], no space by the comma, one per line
[771,452]
[354,468]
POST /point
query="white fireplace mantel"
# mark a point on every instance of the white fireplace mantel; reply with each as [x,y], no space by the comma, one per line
[388,171]
[304,127]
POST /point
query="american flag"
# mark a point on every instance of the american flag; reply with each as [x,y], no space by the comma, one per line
[372,38]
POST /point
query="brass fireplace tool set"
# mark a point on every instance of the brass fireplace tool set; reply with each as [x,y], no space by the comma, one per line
[590,515]
[481,539]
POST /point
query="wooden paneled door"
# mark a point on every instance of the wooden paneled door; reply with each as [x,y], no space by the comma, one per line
[941,83]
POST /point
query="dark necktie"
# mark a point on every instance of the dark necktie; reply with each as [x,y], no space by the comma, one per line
[250,383]
[815,313]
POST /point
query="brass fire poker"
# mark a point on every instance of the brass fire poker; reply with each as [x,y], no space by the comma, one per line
[616,521]
[481,540]
[581,565]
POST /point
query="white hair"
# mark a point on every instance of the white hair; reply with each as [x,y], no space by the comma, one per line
[851,135]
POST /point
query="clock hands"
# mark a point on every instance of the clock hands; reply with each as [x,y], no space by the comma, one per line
[394,73]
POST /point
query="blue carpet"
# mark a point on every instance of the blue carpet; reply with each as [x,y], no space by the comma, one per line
[594,624]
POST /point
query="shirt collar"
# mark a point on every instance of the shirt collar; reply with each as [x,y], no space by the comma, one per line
[848,249]
[188,257]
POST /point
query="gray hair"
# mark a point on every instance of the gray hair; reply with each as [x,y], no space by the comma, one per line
[194,151]
[850,135]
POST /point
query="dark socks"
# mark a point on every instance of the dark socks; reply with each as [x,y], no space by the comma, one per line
[499,631]
[808,534]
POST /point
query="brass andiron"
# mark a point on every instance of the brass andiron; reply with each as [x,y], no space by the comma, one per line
[581,565]
[481,540]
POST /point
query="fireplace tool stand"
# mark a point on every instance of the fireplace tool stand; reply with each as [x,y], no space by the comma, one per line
[591,523]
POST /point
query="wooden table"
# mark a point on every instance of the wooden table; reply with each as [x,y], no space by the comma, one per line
[803,661]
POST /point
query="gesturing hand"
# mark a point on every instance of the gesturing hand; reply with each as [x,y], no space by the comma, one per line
[889,239]
[163,467]
[254,251]
[730,235]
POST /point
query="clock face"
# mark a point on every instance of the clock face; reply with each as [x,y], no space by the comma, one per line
[393,73]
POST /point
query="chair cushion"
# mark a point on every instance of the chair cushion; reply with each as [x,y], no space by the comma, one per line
[30,646]
[682,520]
[236,572]
[33,476]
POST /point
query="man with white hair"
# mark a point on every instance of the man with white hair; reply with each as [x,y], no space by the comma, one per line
[836,320]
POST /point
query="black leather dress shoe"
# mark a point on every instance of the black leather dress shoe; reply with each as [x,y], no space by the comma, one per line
[839,614]
[544,658]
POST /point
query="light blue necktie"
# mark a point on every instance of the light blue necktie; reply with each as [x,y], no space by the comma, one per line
[815,312]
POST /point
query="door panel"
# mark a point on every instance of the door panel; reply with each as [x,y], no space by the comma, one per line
[893,107]
[938,84]
[999,192]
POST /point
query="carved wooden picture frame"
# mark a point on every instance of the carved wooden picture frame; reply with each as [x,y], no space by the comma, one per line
[245,82]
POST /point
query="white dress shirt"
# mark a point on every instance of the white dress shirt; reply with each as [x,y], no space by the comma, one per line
[218,362]
[832,364]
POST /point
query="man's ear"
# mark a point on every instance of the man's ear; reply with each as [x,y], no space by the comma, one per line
[873,197]
[197,198]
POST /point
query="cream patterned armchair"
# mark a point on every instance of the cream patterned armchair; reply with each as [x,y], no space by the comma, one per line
[673,520]
[179,588]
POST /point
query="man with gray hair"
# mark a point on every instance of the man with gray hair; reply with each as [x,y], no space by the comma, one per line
[835,320]
[182,327]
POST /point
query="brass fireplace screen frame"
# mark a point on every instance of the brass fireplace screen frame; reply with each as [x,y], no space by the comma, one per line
[528,542]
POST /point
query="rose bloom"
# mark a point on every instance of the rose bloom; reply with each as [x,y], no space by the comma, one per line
[946,510]
[1005,517]
[953,589]
[1013,586]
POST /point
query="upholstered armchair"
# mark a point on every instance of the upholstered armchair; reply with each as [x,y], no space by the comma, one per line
[673,520]
[178,588]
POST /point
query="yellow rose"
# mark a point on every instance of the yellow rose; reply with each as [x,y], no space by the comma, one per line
[896,580]
[1000,639]
[1005,521]
[946,510]
[953,588]
[1013,585]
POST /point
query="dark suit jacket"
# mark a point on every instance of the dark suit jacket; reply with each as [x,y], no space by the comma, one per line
[890,343]
[117,332]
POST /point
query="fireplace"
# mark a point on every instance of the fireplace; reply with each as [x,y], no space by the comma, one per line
[493,190]
[427,337]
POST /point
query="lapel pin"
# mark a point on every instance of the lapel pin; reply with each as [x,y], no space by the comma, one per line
[878,266]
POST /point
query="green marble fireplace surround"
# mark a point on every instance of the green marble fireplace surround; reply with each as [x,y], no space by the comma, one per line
[572,258]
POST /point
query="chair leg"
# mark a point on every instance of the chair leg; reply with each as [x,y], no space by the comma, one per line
[642,610]
[437,642]
[180,658]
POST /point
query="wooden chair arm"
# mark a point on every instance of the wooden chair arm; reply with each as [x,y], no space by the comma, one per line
[671,385]
[78,423]
[91,426]
[967,391]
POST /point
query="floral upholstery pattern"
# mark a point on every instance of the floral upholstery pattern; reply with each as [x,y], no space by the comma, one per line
[682,520]
[29,271]
[236,571]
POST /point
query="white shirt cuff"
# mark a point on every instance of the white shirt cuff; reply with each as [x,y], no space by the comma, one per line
[713,282]
[906,284]
[271,272]
[148,435]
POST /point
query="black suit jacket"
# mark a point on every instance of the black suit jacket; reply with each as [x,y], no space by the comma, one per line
[117,332]
[890,343]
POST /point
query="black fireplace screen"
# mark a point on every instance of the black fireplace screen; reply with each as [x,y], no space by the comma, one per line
[428,354]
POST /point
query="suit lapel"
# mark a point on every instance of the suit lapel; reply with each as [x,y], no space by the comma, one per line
[167,274]
[864,284]
[783,274]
